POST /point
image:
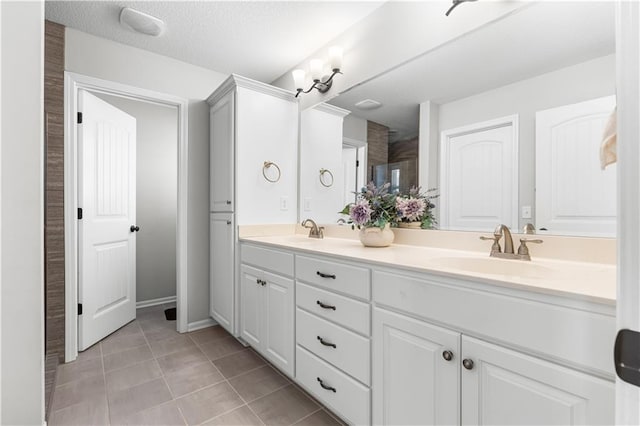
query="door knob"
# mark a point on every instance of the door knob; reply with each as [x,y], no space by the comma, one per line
[467,363]
[134,228]
[447,355]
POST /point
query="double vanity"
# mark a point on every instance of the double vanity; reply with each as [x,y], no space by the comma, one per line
[421,334]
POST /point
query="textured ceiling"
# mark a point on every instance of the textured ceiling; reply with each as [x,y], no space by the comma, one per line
[257,39]
[537,39]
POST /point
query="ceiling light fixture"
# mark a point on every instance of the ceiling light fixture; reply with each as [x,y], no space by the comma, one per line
[321,80]
[141,22]
[455,4]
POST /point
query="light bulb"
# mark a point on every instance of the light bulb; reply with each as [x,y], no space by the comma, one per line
[335,57]
[315,69]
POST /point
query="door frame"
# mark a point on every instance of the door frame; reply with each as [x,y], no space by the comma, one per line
[73,83]
[446,135]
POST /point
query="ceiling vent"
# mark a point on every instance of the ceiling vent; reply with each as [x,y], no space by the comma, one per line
[141,22]
[368,104]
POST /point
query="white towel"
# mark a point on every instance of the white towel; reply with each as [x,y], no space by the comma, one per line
[609,139]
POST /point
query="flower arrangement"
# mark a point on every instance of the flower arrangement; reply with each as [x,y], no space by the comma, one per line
[417,207]
[374,207]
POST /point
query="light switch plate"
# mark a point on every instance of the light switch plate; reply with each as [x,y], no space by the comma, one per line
[284,203]
[526,212]
[307,204]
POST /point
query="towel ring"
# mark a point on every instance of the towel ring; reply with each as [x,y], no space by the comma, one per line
[268,164]
[324,172]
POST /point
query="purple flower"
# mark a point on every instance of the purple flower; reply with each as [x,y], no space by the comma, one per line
[360,212]
[411,209]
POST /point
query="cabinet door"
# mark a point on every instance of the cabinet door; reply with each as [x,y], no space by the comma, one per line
[251,309]
[221,276]
[278,337]
[413,383]
[505,387]
[222,141]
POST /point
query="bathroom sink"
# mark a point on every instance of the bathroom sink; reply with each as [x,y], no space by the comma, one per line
[495,266]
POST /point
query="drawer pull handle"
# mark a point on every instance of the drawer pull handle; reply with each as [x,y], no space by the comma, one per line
[322,341]
[261,282]
[329,388]
[323,306]
[332,276]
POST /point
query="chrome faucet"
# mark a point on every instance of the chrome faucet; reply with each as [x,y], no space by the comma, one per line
[315,231]
[496,251]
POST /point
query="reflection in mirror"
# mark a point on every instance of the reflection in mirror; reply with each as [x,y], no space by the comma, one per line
[468,114]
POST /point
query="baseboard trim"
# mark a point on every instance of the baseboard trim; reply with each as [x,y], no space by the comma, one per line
[197,325]
[154,302]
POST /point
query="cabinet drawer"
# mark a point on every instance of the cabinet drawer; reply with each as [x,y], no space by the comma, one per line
[340,309]
[272,260]
[351,353]
[350,399]
[339,277]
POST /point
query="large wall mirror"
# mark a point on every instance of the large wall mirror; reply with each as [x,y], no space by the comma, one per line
[506,122]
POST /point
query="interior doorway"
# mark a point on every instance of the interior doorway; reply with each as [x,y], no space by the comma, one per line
[169,180]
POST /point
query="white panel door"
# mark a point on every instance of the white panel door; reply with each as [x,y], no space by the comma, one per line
[251,290]
[221,276]
[350,171]
[573,195]
[479,176]
[413,383]
[107,196]
[221,121]
[504,387]
[278,304]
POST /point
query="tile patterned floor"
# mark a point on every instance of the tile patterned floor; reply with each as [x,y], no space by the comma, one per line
[148,374]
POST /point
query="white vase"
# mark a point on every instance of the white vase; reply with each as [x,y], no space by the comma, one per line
[376,237]
[410,225]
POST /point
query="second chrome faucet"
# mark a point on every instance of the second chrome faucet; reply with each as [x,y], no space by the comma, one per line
[502,231]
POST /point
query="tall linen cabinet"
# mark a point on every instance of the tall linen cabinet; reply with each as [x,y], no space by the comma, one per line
[253,178]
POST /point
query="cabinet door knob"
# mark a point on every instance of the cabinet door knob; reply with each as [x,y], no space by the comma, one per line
[467,363]
[134,228]
[258,281]
[329,388]
[228,222]
[228,202]
[447,355]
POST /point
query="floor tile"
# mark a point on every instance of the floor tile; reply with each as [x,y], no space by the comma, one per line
[84,413]
[242,416]
[285,406]
[90,353]
[129,401]
[160,333]
[172,344]
[182,359]
[221,347]
[133,375]
[208,403]
[90,389]
[77,370]
[193,378]
[319,418]
[258,383]
[155,324]
[209,334]
[122,343]
[127,358]
[132,328]
[165,414]
[238,363]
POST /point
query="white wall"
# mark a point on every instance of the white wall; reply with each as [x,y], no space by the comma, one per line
[156,195]
[588,80]
[22,311]
[355,127]
[321,147]
[101,58]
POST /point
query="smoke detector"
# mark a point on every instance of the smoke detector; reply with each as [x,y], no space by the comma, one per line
[141,22]
[368,104]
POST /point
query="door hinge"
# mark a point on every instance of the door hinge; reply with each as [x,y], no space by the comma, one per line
[79,213]
[79,308]
[357,163]
[79,118]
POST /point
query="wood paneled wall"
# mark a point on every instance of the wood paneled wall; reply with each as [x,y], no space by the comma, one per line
[377,146]
[54,188]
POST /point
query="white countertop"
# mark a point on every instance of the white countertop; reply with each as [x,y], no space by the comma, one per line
[592,282]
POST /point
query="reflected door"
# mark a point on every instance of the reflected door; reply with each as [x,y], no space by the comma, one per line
[479,176]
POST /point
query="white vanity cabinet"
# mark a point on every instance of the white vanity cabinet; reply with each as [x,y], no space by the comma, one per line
[427,373]
[333,345]
[253,170]
[267,304]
